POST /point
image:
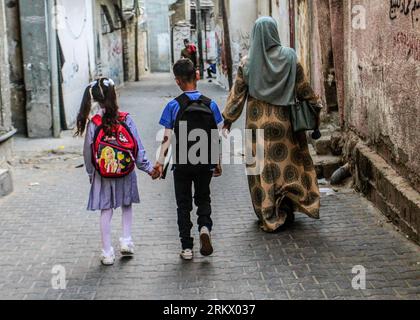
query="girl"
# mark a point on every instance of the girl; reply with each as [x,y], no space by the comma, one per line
[107,194]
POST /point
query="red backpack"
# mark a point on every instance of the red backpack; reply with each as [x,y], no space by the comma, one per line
[114,156]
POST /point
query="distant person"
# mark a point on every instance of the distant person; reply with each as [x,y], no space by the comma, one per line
[211,69]
[111,152]
[190,52]
[269,80]
[198,113]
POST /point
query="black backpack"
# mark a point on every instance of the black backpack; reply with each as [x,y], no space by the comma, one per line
[197,114]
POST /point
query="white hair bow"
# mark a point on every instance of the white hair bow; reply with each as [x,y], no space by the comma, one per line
[107,82]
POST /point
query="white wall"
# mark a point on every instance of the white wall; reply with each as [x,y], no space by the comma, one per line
[75,32]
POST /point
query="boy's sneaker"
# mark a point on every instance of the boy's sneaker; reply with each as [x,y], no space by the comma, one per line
[187,254]
[126,247]
[205,241]
[108,259]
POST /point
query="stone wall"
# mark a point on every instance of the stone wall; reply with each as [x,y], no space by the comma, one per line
[382,82]
[109,44]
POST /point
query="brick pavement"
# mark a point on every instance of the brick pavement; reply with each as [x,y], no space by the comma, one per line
[44,223]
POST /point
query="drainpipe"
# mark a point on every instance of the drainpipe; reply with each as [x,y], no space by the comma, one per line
[292,18]
[136,40]
[50,6]
[200,37]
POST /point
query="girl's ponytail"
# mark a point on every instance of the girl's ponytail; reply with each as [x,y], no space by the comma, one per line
[102,91]
[110,117]
[84,112]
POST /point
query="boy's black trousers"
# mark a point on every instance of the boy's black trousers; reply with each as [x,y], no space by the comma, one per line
[184,180]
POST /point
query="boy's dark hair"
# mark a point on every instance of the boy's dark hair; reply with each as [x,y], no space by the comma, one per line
[184,70]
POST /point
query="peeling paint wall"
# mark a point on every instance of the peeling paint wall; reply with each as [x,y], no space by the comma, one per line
[109,45]
[135,26]
[5,106]
[36,68]
[240,31]
[303,33]
[382,76]
[15,64]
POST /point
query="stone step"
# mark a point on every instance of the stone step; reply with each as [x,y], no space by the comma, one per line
[6,185]
[323,145]
[325,165]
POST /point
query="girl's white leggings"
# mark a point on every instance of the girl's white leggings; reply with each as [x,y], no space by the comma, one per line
[106,218]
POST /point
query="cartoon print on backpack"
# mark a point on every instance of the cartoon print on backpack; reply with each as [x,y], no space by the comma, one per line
[114,154]
[108,163]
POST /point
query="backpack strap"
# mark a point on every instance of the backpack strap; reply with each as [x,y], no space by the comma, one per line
[183,100]
[206,101]
[97,120]
[123,116]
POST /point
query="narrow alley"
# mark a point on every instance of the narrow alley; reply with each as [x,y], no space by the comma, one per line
[44,224]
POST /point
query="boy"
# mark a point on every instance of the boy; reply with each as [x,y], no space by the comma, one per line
[191,108]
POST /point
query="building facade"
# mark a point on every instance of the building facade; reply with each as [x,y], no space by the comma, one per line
[7,98]
[157,12]
[75,41]
[362,58]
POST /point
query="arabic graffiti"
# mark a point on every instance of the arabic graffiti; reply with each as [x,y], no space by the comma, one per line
[405,7]
[408,43]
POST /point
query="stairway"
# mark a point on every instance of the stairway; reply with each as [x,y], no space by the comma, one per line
[326,152]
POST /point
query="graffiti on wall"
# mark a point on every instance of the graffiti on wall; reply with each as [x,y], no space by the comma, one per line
[408,43]
[399,8]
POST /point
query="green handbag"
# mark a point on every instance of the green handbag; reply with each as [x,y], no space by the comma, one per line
[304,116]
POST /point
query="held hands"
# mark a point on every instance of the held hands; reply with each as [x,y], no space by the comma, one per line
[226,129]
[157,171]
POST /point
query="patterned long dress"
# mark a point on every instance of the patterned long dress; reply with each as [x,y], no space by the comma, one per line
[288,167]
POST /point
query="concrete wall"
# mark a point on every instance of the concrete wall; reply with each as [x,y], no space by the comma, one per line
[16,83]
[240,31]
[159,34]
[36,68]
[75,32]
[382,76]
[6,127]
[134,21]
[109,46]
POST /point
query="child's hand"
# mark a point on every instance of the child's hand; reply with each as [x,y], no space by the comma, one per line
[226,129]
[157,171]
[154,174]
[218,171]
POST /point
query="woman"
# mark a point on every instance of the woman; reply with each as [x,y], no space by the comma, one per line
[269,78]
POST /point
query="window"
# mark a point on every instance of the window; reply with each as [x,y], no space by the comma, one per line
[106,20]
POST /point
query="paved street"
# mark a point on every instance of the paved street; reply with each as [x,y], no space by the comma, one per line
[44,223]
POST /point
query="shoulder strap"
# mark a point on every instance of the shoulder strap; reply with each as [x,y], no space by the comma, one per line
[183,101]
[97,120]
[206,101]
[123,116]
